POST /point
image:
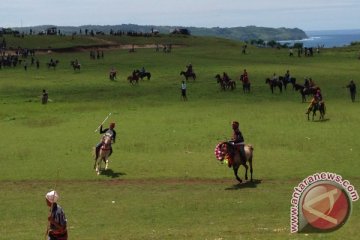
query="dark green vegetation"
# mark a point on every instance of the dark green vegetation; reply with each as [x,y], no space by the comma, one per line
[236,33]
[163,177]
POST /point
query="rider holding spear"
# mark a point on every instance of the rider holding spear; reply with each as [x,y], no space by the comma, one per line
[111,131]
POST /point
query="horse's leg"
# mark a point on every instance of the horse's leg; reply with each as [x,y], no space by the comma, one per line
[97,170]
[106,160]
[236,168]
[251,168]
[246,170]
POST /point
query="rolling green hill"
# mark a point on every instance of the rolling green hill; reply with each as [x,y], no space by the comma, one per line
[236,33]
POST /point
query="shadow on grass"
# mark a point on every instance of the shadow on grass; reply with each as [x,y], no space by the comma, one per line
[110,173]
[322,120]
[247,184]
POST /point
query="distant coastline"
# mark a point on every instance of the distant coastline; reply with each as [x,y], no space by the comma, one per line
[328,38]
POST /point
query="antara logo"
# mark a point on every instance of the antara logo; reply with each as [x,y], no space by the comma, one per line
[321,203]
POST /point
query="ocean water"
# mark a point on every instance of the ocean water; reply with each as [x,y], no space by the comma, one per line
[328,39]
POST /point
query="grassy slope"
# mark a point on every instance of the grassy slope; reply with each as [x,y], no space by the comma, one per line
[162,138]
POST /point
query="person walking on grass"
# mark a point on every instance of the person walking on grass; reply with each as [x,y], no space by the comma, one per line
[352,88]
[45,97]
[183,91]
[57,221]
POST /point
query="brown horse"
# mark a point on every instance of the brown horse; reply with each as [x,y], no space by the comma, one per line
[103,154]
[285,81]
[133,79]
[188,75]
[231,152]
[273,84]
[304,91]
[143,74]
[225,84]
[317,107]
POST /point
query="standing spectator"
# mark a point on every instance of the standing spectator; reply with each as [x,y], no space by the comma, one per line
[45,97]
[183,91]
[25,65]
[37,64]
[57,229]
[352,88]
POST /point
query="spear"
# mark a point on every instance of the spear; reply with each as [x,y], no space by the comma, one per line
[102,122]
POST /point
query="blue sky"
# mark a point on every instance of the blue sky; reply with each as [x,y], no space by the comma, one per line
[304,14]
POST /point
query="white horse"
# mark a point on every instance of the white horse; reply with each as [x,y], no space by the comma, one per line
[103,154]
[232,154]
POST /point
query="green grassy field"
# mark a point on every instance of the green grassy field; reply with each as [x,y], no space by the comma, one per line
[164,179]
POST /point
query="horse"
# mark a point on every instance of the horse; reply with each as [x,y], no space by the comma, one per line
[143,74]
[273,84]
[188,75]
[246,84]
[231,152]
[317,107]
[53,64]
[305,91]
[75,65]
[103,154]
[133,79]
[225,84]
[220,81]
[112,75]
[285,82]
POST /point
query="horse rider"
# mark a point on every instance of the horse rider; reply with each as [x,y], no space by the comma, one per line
[226,77]
[142,71]
[245,76]
[134,74]
[238,140]
[275,78]
[189,68]
[307,83]
[57,229]
[287,76]
[316,100]
[311,83]
[111,131]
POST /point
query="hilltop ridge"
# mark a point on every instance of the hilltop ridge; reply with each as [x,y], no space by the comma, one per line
[235,33]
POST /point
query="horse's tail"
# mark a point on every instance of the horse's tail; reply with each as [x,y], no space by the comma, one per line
[250,147]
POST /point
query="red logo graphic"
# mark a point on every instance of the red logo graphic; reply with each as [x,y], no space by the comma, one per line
[326,207]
